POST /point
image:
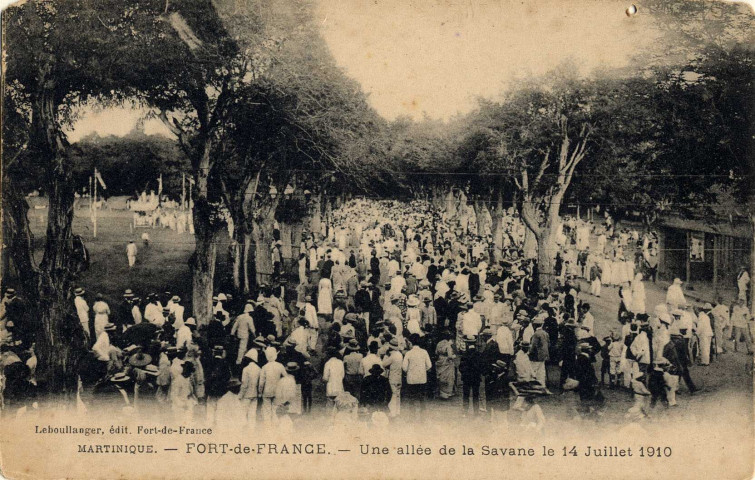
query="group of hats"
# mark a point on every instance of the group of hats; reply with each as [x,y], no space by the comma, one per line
[264,342]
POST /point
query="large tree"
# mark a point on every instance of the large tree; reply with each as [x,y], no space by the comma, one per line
[48,72]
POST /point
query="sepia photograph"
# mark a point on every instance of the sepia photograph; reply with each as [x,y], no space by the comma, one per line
[377,239]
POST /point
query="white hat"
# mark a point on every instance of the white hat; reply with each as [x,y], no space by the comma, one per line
[222,297]
[252,354]
[190,321]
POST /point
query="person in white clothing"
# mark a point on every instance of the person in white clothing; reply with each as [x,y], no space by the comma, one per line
[82,310]
[704,333]
[638,294]
[743,281]
[325,297]
[333,374]
[183,334]
[250,380]
[675,295]
[101,315]
[131,253]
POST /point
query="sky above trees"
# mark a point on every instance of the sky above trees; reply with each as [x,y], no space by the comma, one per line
[436,57]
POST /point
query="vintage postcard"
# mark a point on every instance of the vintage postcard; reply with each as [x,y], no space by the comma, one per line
[378,239]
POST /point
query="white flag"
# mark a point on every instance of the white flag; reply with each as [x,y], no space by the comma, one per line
[99,179]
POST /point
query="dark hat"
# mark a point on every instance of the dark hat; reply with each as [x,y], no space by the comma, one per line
[376,369]
[292,367]
[120,377]
[139,360]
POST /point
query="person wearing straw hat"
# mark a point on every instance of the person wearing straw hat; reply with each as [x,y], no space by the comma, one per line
[704,333]
[375,394]
[145,375]
[393,365]
[352,364]
[250,380]
[286,391]
[104,350]
[82,311]
[416,364]
[243,329]
[270,375]
[539,350]
[471,369]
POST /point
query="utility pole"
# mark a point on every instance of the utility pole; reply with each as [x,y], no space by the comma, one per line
[94,203]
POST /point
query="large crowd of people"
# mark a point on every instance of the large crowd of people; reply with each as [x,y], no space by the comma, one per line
[397,304]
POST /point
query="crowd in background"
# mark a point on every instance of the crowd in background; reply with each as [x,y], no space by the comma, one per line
[397,304]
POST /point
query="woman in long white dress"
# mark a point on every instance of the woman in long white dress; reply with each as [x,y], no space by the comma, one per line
[313,256]
[101,315]
[607,277]
[302,267]
[638,294]
[325,297]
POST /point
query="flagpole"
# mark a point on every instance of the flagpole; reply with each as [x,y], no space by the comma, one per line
[183,190]
[94,204]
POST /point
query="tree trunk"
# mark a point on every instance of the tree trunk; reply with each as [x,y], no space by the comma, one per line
[296,238]
[752,263]
[497,216]
[531,217]
[450,204]
[203,262]
[262,234]
[19,241]
[60,338]
[316,218]
[546,253]
[245,264]
[482,215]
[286,230]
[238,260]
